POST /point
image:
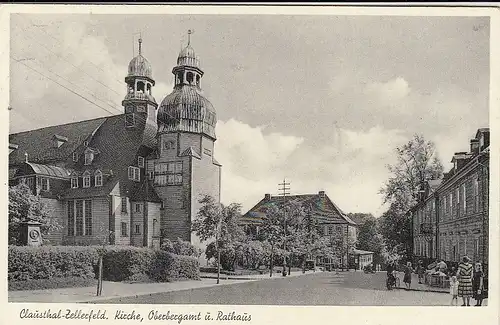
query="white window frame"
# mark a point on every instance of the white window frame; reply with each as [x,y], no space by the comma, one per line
[75,157]
[464,198]
[140,162]
[134,173]
[74,182]
[138,207]
[98,178]
[476,194]
[47,183]
[86,179]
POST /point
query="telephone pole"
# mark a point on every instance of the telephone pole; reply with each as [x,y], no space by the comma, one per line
[284,191]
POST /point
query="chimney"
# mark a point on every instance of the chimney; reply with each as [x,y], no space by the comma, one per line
[459,160]
[321,193]
[474,146]
[267,196]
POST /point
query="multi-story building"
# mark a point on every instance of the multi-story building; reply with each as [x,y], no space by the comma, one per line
[332,223]
[451,217]
[137,175]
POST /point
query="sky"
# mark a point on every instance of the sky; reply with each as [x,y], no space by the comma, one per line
[322,101]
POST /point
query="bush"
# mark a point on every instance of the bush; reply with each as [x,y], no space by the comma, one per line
[168,267]
[126,263]
[46,262]
[53,283]
[180,247]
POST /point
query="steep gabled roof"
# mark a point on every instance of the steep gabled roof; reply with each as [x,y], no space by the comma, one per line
[39,144]
[323,209]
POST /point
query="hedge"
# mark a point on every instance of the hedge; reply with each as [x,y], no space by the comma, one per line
[52,283]
[120,263]
[46,262]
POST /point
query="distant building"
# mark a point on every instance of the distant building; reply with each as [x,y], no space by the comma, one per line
[332,222]
[362,258]
[451,218]
[139,174]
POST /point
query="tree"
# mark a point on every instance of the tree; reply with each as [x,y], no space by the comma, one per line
[417,163]
[273,232]
[214,220]
[369,238]
[24,206]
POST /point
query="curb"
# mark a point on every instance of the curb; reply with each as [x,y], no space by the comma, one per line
[423,290]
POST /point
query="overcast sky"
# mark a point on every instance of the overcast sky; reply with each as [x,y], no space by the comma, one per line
[320,100]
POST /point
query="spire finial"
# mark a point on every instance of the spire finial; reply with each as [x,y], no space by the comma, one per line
[190,31]
[140,43]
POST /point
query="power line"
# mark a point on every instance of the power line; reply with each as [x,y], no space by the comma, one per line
[69,89]
[59,42]
[63,58]
[113,106]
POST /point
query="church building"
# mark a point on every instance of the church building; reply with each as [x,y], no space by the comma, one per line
[132,178]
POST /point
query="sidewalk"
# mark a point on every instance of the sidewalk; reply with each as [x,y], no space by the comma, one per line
[415,286]
[121,290]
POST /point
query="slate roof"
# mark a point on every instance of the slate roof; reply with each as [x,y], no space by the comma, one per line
[323,209]
[39,143]
[116,148]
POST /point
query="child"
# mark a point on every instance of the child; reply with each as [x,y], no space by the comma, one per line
[454,290]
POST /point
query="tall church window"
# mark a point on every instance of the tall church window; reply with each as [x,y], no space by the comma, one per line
[88,217]
[80,217]
[140,86]
[168,173]
[189,78]
[71,218]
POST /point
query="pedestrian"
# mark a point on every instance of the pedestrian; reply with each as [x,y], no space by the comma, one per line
[420,271]
[465,280]
[454,290]
[407,277]
[478,284]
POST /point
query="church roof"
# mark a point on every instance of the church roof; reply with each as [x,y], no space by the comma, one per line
[116,148]
[323,209]
[39,143]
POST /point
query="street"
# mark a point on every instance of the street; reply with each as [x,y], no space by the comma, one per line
[322,288]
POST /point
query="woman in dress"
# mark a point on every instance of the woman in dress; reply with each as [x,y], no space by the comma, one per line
[464,275]
[477,284]
[407,277]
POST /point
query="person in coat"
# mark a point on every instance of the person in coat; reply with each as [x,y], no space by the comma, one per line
[464,274]
[407,277]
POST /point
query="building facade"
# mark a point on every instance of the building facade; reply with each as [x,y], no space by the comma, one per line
[132,178]
[332,223]
[451,219]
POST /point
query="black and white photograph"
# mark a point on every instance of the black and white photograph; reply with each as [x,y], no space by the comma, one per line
[249,159]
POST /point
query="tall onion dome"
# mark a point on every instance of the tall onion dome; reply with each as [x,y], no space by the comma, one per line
[139,103]
[186,109]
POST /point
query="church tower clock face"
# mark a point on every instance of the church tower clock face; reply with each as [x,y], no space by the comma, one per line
[129,109]
[141,108]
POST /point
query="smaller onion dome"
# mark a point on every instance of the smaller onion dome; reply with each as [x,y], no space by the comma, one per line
[188,57]
[140,66]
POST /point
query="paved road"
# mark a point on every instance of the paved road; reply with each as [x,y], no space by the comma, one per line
[321,288]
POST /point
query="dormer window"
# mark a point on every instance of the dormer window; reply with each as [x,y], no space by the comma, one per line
[98,178]
[86,179]
[74,182]
[59,140]
[89,156]
[85,143]
[75,157]
[140,162]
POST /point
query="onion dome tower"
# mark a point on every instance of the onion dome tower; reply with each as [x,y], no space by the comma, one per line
[186,109]
[139,103]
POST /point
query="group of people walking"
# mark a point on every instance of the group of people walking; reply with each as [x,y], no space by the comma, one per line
[467,282]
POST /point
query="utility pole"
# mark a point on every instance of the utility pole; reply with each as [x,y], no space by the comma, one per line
[284,188]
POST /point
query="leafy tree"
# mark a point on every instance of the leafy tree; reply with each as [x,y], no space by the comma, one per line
[25,206]
[417,163]
[369,238]
[219,222]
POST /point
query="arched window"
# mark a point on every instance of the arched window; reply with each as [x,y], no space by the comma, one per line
[98,178]
[180,77]
[140,86]
[86,179]
[198,80]
[149,88]
[190,78]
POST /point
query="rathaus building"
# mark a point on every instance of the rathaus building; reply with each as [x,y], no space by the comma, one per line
[135,177]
